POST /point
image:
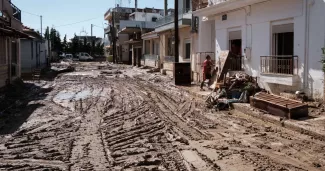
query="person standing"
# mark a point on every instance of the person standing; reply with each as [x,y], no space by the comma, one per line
[207,66]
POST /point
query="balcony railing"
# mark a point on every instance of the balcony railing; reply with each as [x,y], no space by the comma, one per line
[199,4]
[170,18]
[279,65]
[150,57]
[16,11]
[169,59]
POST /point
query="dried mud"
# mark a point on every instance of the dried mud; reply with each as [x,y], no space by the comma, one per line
[105,117]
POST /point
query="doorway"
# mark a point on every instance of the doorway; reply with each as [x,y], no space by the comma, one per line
[235,48]
[283,49]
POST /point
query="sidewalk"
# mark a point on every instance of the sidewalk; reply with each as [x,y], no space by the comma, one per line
[313,125]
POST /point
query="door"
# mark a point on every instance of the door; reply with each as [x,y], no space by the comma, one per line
[139,54]
[187,50]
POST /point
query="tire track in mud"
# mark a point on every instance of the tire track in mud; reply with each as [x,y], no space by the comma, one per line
[138,124]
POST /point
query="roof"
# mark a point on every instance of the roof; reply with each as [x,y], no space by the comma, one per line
[150,35]
[32,33]
[9,31]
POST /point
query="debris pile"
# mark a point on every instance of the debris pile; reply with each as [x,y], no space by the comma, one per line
[62,67]
[234,89]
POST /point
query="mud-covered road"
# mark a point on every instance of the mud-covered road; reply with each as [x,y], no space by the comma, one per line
[105,117]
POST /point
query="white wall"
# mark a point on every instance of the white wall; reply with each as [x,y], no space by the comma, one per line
[125,53]
[141,16]
[256,27]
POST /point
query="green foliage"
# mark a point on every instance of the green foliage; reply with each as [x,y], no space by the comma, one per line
[323,62]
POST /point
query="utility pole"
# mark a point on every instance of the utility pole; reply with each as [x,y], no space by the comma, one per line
[113,36]
[91,30]
[41,17]
[176,37]
[166,7]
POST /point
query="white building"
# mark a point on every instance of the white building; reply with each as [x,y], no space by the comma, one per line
[280,40]
[34,51]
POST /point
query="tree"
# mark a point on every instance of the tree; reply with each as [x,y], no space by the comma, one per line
[65,44]
[47,33]
[99,49]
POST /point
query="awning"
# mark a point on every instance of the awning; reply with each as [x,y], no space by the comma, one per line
[9,31]
[131,30]
[150,35]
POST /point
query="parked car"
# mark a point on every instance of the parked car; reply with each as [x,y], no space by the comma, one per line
[85,57]
[70,56]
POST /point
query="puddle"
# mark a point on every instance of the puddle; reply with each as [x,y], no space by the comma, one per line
[64,96]
[82,95]
[72,95]
[87,73]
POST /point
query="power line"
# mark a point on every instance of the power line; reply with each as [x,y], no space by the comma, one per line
[77,22]
[30,13]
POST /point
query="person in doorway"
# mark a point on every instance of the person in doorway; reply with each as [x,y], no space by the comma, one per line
[207,66]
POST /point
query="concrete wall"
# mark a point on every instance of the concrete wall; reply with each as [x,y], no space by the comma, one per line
[29,59]
[141,16]
[125,47]
[255,24]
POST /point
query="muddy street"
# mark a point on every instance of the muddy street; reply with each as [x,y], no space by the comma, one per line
[115,117]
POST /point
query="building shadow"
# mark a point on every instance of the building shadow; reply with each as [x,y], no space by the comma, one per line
[15,106]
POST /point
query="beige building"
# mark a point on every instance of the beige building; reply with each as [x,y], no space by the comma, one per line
[10,34]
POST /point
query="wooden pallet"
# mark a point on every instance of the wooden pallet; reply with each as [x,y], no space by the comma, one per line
[279,106]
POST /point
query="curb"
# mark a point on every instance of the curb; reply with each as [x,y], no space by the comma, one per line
[267,118]
[277,121]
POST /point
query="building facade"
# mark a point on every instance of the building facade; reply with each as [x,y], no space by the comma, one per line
[33,51]
[129,24]
[10,34]
[160,43]
[280,40]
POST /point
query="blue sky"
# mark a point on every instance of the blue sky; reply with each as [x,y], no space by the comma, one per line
[62,12]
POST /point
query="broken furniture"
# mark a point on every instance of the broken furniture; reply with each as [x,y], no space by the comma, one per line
[279,106]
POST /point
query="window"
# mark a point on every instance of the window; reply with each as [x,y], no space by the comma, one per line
[170,47]
[86,54]
[3,57]
[187,5]
[187,49]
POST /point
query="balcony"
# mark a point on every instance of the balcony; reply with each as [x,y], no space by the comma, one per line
[279,65]
[108,14]
[279,69]
[167,22]
[16,12]
[138,24]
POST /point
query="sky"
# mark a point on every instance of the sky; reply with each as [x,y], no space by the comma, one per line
[69,16]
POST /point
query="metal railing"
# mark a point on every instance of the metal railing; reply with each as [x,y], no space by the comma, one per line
[151,57]
[170,18]
[279,64]
[16,12]
[199,4]
[169,59]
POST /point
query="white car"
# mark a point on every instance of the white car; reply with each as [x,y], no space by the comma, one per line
[85,57]
[69,56]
